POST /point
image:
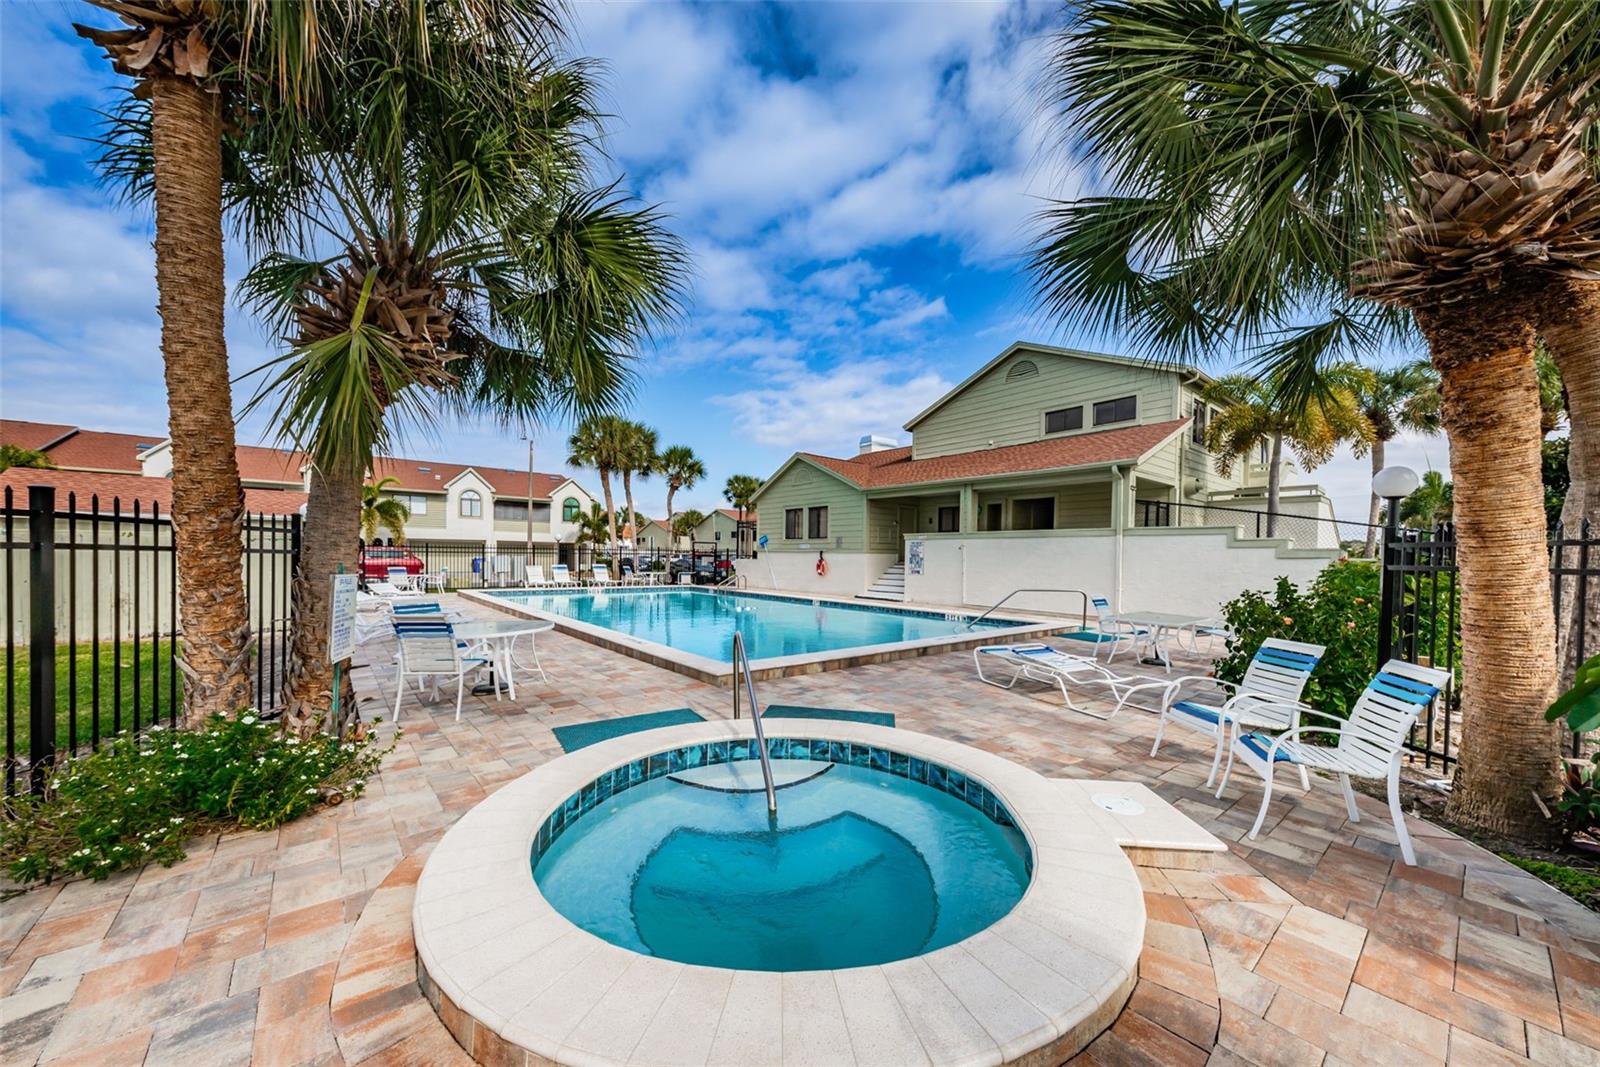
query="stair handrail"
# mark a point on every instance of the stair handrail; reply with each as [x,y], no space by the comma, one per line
[1084,616]
[741,668]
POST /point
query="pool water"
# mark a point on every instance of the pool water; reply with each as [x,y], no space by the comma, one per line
[702,621]
[861,868]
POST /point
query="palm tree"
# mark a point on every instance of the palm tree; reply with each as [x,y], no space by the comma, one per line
[594,526]
[682,469]
[740,490]
[1338,177]
[1393,400]
[601,442]
[478,270]
[1252,413]
[378,510]
[189,60]
[684,523]
[1429,504]
[17,456]
[639,458]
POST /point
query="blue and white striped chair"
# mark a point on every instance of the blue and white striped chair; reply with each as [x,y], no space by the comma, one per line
[1109,633]
[429,649]
[1369,746]
[1267,697]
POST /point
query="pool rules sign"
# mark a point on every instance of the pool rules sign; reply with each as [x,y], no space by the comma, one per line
[342,618]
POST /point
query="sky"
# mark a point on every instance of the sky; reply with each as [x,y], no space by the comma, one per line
[855,184]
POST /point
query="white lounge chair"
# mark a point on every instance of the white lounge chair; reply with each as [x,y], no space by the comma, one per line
[402,579]
[1051,666]
[533,576]
[1268,697]
[429,649]
[599,574]
[1369,746]
[560,575]
[1109,632]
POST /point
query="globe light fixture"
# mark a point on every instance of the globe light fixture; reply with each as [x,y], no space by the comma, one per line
[1392,483]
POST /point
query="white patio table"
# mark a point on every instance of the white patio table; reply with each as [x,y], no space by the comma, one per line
[1159,624]
[499,636]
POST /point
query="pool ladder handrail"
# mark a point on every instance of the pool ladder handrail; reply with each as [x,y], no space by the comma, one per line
[741,667]
[1084,618]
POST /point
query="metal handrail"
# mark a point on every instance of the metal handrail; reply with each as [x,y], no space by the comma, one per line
[1016,592]
[741,665]
[736,580]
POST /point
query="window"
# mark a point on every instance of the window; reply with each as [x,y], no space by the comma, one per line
[516,510]
[570,509]
[414,503]
[949,520]
[471,505]
[1063,419]
[791,524]
[1122,409]
[1197,429]
[1037,513]
[1022,368]
[817,522]
[992,516]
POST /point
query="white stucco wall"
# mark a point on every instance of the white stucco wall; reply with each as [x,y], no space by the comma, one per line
[1196,571]
[977,571]
[849,573]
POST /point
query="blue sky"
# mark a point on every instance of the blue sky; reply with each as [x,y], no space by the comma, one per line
[855,182]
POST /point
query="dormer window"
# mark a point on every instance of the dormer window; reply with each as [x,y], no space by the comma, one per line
[1063,419]
[1122,409]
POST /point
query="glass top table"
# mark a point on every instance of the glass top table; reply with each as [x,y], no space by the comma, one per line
[493,629]
[1160,624]
[500,636]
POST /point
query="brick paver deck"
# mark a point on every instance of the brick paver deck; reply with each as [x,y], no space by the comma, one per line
[1311,945]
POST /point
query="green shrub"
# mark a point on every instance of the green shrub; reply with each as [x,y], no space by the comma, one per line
[139,799]
[1338,609]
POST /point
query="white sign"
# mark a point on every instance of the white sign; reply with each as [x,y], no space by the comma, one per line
[342,618]
[914,557]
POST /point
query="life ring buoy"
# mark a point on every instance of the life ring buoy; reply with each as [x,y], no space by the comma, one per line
[822,567]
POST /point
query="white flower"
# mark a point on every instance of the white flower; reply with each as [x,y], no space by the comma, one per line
[311,791]
[292,741]
[247,719]
[128,790]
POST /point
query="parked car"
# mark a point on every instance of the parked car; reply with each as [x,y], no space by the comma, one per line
[705,569]
[375,562]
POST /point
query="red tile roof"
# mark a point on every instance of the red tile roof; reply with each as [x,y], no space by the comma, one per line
[127,488]
[260,464]
[423,475]
[733,513]
[34,435]
[894,466]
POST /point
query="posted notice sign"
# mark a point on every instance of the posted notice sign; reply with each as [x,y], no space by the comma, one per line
[342,618]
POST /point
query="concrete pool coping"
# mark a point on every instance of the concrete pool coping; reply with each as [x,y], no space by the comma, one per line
[515,981]
[716,672]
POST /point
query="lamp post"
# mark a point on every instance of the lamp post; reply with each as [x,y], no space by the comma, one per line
[1392,484]
[528,508]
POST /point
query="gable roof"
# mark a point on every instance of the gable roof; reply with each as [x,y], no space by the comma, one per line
[894,466]
[73,449]
[1053,350]
[260,464]
[733,513]
[125,489]
[35,435]
[430,476]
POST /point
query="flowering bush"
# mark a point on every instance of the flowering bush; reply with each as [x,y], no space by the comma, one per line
[139,799]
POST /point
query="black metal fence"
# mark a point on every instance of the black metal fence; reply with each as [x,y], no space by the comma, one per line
[1303,529]
[482,565]
[1419,617]
[92,630]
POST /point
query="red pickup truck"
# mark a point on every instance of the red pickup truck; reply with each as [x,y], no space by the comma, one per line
[375,562]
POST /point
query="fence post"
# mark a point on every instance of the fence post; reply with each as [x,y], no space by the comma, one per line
[42,633]
[1389,583]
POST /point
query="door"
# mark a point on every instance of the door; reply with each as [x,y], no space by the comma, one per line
[905,524]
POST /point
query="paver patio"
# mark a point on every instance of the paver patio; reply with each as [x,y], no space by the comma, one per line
[1311,945]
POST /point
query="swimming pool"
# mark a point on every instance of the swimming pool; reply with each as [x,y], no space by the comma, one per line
[702,622]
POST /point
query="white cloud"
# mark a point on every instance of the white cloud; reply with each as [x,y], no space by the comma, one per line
[828,410]
[1347,479]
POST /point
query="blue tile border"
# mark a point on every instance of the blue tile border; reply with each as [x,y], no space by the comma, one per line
[883,760]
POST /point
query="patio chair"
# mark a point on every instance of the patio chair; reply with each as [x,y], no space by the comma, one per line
[1208,630]
[599,574]
[429,649]
[560,575]
[1369,745]
[401,579]
[533,576]
[1051,666]
[1109,632]
[1268,696]
[437,580]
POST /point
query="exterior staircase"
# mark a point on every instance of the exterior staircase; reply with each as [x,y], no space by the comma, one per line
[891,585]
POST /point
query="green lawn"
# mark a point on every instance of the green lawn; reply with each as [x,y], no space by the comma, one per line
[151,698]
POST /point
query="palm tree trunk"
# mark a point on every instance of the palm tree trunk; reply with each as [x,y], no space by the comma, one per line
[1484,354]
[672,534]
[1375,508]
[1274,480]
[611,517]
[207,499]
[1571,330]
[331,537]
[632,516]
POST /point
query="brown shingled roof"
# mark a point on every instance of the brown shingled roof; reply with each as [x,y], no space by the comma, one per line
[96,450]
[894,466]
[34,435]
[127,488]
[733,513]
[423,475]
[260,464]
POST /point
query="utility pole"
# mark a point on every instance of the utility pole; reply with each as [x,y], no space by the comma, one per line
[529,512]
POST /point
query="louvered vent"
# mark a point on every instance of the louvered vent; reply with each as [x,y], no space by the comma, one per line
[1021,369]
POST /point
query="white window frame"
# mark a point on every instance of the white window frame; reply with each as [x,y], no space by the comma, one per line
[477,501]
[415,503]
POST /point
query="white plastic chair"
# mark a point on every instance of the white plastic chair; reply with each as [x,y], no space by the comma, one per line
[401,579]
[1043,663]
[560,575]
[1208,630]
[599,574]
[429,649]
[1268,696]
[533,576]
[437,580]
[1369,746]
[1109,632]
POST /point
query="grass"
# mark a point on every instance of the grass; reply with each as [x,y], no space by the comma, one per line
[1581,884]
[113,705]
